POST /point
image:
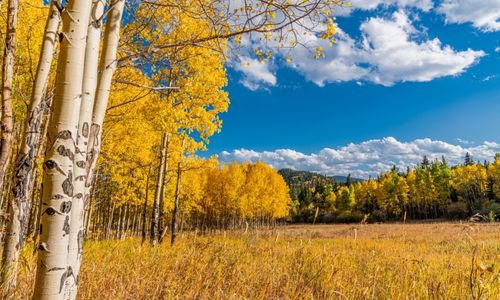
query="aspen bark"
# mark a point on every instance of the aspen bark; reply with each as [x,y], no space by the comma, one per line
[175,213]
[134,221]
[7,122]
[145,207]
[58,191]
[110,221]
[127,222]
[161,204]
[81,190]
[107,67]
[159,183]
[23,179]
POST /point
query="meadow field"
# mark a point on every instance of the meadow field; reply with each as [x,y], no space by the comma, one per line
[379,261]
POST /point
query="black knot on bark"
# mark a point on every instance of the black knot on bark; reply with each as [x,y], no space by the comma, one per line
[66,207]
[51,211]
[64,135]
[50,164]
[43,247]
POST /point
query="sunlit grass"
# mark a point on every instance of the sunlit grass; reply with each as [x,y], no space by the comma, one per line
[377,263]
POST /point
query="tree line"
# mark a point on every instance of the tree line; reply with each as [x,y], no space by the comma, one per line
[430,190]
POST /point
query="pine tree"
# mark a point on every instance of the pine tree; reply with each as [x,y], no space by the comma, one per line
[468,161]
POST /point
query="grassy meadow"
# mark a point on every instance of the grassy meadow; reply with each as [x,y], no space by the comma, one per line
[386,261]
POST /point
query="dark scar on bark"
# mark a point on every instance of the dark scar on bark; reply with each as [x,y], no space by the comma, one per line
[80,178]
[81,164]
[51,211]
[81,235]
[85,129]
[79,196]
[64,135]
[66,207]
[65,275]
[67,185]
[43,247]
[65,152]
[58,197]
[66,226]
[55,269]
[50,164]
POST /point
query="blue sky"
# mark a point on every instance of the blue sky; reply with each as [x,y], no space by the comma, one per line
[442,97]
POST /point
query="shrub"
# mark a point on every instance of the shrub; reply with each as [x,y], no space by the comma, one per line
[457,210]
[349,217]
[378,216]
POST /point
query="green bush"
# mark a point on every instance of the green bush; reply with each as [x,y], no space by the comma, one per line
[349,217]
[491,210]
[457,210]
[378,216]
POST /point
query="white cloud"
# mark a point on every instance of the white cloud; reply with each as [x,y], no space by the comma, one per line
[497,49]
[256,74]
[389,52]
[489,77]
[396,56]
[424,5]
[483,14]
[365,159]
[464,141]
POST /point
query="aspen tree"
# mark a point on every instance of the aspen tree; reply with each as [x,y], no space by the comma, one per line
[81,193]
[107,67]
[161,204]
[23,179]
[145,207]
[58,188]
[158,193]
[175,213]
[7,121]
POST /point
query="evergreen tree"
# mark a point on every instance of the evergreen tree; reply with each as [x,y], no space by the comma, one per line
[425,162]
[468,161]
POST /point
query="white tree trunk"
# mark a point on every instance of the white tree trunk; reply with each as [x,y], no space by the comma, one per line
[175,213]
[161,203]
[7,122]
[81,192]
[58,188]
[26,156]
[155,214]
[107,67]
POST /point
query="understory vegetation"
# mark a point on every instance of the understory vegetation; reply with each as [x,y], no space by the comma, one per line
[432,261]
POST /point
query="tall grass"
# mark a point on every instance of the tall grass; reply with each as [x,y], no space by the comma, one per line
[460,264]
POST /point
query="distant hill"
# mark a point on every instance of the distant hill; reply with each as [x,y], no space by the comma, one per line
[293,177]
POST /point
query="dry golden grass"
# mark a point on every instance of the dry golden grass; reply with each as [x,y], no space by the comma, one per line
[393,261]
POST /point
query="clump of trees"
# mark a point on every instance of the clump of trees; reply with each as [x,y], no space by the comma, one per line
[430,190]
[212,197]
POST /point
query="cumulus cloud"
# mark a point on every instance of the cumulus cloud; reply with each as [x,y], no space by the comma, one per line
[365,159]
[397,57]
[256,74]
[389,52]
[484,14]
